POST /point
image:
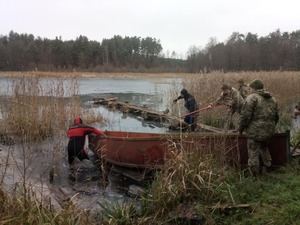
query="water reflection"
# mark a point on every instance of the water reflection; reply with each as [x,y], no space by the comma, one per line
[118,121]
[144,92]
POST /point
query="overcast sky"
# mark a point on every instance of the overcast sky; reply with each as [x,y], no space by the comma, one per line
[178,24]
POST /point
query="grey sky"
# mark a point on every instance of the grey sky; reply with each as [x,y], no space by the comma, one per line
[177,24]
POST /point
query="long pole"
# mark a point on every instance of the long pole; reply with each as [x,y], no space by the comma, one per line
[199,110]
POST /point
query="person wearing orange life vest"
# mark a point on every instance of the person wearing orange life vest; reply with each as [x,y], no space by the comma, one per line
[77,134]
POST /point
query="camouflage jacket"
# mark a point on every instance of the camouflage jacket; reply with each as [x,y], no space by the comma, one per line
[243,91]
[259,116]
[233,100]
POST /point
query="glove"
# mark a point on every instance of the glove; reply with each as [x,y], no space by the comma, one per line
[174,101]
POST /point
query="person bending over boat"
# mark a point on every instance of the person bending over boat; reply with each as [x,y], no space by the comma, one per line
[191,105]
[259,117]
[232,98]
[77,136]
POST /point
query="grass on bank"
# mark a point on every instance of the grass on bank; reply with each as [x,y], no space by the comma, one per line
[225,197]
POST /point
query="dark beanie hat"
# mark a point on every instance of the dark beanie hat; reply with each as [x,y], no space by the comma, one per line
[257,84]
[184,92]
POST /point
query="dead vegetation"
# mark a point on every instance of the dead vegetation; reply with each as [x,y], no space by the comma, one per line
[33,113]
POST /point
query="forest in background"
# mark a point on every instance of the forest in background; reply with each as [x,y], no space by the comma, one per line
[24,52]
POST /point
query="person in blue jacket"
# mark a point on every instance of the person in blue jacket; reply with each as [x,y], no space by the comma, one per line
[191,105]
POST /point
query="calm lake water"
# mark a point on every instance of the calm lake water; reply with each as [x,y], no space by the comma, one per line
[152,92]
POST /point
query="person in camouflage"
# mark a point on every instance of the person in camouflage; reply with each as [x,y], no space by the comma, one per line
[232,99]
[259,117]
[243,88]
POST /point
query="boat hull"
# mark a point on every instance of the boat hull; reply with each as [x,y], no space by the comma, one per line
[152,150]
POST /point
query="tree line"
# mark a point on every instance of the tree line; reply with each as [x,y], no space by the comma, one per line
[23,52]
[276,51]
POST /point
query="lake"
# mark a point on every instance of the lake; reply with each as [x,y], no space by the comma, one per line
[152,92]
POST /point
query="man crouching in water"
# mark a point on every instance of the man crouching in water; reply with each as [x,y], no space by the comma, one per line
[76,146]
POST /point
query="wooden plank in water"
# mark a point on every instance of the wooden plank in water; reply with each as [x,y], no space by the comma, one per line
[149,114]
[146,113]
[126,107]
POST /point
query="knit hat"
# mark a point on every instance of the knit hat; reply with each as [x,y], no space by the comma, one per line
[225,87]
[184,92]
[257,84]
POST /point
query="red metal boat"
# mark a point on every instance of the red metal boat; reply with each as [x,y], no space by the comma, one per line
[151,150]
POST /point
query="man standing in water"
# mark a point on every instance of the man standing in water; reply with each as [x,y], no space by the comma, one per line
[191,105]
[77,135]
[259,117]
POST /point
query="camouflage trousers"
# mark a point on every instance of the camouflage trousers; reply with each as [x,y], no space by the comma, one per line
[233,117]
[256,149]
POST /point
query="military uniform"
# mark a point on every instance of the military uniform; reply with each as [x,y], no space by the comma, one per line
[259,117]
[243,88]
[233,100]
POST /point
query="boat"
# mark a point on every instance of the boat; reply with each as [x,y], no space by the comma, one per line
[152,150]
